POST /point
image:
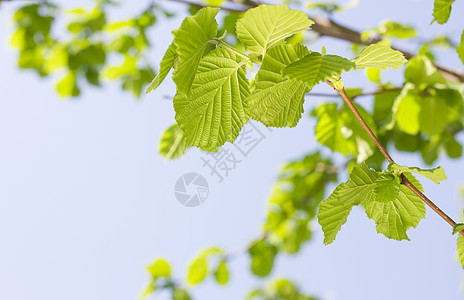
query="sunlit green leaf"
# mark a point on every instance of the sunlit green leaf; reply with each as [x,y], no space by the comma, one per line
[277,101]
[436,174]
[314,68]
[172,144]
[458,227]
[264,26]
[334,211]
[192,42]
[460,249]
[442,10]
[165,66]
[380,57]
[214,112]
[392,206]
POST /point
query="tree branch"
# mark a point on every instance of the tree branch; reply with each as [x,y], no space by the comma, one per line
[382,149]
[326,27]
[378,92]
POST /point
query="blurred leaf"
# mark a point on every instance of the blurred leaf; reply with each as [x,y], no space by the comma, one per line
[442,10]
[373,74]
[67,86]
[172,144]
[160,268]
[262,258]
[214,2]
[407,111]
[197,270]
[295,198]
[453,148]
[180,294]
[222,273]
[460,48]
[339,130]
[420,70]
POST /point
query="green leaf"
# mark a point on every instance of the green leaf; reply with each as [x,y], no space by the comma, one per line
[381,57]
[314,68]
[326,7]
[180,294]
[453,148]
[214,2]
[214,112]
[278,101]
[339,130]
[429,112]
[197,270]
[373,75]
[294,200]
[394,207]
[165,66]
[436,174]
[433,115]
[420,70]
[192,41]
[266,25]
[262,258]
[67,86]
[172,144]
[393,29]
[222,273]
[458,227]
[460,249]
[334,211]
[460,48]
[160,268]
[442,10]
[407,109]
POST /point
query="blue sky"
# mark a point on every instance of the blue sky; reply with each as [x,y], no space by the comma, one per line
[86,203]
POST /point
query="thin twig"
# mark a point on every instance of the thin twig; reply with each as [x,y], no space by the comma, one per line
[382,149]
[378,92]
[326,27]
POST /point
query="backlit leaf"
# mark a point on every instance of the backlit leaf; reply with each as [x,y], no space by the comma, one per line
[264,26]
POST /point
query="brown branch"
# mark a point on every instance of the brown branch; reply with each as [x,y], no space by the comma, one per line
[325,27]
[382,149]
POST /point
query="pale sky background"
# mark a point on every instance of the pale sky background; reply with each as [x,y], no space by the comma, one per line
[86,203]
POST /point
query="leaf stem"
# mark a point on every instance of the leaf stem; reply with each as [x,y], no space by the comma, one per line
[225,45]
[382,149]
